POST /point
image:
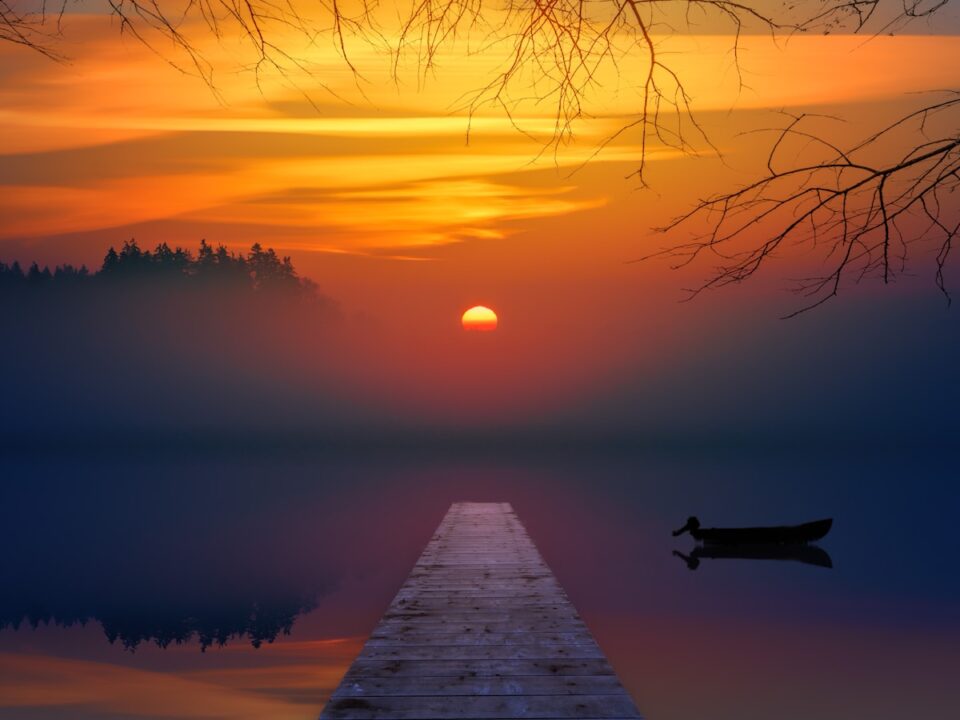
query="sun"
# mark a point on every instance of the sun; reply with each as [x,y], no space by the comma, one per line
[479,318]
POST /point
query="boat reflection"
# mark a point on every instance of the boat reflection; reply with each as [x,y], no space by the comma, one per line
[808,554]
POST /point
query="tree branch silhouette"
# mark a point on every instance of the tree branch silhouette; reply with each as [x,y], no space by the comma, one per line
[863,207]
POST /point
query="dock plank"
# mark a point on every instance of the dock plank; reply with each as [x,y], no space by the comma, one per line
[480,629]
[482,706]
[377,686]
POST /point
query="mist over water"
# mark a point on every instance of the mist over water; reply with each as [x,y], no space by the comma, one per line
[210,493]
[108,559]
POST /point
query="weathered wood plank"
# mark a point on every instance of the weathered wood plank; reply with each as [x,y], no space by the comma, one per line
[475,627]
[377,686]
[480,629]
[501,615]
[482,706]
[462,651]
[476,668]
[416,637]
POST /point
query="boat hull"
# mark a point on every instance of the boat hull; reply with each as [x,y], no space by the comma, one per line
[778,535]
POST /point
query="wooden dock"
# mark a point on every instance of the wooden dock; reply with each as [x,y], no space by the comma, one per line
[480,629]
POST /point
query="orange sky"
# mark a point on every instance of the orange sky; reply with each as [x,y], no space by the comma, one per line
[387,171]
[379,197]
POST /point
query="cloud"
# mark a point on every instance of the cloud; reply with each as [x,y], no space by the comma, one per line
[119,138]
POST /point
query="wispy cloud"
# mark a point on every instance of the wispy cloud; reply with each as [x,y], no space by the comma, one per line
[386,168]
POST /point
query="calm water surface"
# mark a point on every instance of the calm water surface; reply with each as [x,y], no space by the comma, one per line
[207,586]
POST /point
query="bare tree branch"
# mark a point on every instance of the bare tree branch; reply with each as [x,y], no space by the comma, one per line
[857,205]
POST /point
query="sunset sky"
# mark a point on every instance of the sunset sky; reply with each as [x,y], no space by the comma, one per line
[378,192]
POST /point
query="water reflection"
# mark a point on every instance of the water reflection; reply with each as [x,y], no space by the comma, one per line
[809,554]
[192,552]
[158,560]
[179,622]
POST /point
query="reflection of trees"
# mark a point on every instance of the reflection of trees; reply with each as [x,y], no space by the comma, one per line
[160,552]
[260,622]
[234,619]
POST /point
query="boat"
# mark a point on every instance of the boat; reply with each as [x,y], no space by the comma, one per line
[773,535]
[808,554]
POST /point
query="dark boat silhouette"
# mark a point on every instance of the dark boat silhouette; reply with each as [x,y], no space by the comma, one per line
[773,535]
[808,554]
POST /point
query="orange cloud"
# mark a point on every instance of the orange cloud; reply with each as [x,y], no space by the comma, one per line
[386,167]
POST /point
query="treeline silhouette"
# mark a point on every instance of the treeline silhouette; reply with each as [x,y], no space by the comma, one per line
[164,339]
[259,271]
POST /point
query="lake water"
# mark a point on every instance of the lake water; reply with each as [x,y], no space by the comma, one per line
[207,585]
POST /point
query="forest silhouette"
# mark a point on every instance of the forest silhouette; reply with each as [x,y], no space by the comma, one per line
[259,271]
[162,340]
